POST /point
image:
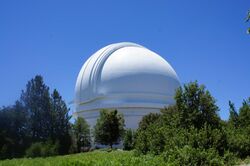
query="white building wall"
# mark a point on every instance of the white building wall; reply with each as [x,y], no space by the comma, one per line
[132,116]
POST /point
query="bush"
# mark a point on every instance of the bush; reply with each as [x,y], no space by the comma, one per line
[40,149]
[156,139]
[196,156]
[129,139]
[239,142]
[35,150]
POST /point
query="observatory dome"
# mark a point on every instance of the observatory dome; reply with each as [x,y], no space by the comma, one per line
[127,77]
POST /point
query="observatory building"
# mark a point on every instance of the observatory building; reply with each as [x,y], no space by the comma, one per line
[127,77]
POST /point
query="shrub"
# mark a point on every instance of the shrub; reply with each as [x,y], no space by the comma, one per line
[239,142]
[40,149]
[148,120]
[35,150]
[129,139]
[196,156]
[50,149]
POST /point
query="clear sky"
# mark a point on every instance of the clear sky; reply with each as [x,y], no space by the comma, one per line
[203,40]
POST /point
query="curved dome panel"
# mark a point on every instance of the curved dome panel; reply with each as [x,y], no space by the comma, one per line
[125,75]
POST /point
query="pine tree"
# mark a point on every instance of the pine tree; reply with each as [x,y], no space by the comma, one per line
[244,113]
[36,99]
[60,125]
[233,117]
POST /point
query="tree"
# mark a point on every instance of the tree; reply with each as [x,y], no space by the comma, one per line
[36,99]
[109,127]
[82,133]
[233,117]
[13,131]
[129,139]
[196,106]
[48,115]
[37,117]
[60,126]
[148,119]
[244,114]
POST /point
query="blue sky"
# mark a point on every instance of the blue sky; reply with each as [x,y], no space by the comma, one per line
[203,40]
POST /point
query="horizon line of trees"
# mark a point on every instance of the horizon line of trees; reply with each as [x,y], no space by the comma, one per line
[188,133]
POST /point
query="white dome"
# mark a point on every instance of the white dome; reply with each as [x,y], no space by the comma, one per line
[125,75]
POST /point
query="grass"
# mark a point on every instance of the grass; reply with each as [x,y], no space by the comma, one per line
[97,158]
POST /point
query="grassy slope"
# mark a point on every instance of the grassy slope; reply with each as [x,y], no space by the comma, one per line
[100,158]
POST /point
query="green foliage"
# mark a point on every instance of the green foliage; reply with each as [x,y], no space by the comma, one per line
[109,127]
[82,134]
[158,139]
[35,150]
[148,119]
[188,155]
[98,158]
[239,142]
[40,149]
[60,125]
[129,139]
[188,133]
[238,137]
[36,99]
[233,116]
[36,117]
[244,114]
[48,115]
[196,106]
[13,131]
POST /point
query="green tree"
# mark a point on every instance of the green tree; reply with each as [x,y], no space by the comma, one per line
[244,114]
[129,139]
[233,117]
[36,99]
[82,134]
[48,114]
[60,126]
[109,128]
[148,119]
[196,106]
[13,131]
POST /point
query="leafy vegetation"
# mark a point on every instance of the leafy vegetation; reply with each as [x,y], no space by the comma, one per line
[40,149]
[187,133]
[109,128]
[37,118]
[102,158]
[81,132]
[129,139]
[191,132]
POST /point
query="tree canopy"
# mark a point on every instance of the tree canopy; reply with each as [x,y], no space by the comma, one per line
[109,127]
[196,106]
[190,131]
[82,133]
[36,117]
